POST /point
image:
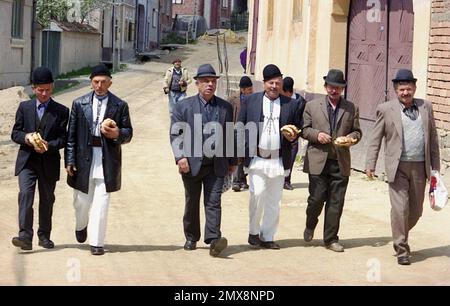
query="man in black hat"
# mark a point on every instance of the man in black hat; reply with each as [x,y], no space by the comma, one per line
[268,160]
[199,139]
[236,100]
[176,81]
[38,159]
[411,152]
[99,124]
[328,122]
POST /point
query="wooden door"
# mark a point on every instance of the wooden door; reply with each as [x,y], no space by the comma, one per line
[380,42]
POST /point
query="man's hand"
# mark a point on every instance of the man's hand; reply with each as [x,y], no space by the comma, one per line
[71,170]
[370,173]
[183,166]
[28,139]
[231,169]
[289,137]
[109,132]
[41,150]
[323,138]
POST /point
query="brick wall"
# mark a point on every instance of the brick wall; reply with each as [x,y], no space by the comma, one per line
[187,8]
[439,78]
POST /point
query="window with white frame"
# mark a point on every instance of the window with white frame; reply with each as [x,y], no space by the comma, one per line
[177,1]
[17,19]
[225,3]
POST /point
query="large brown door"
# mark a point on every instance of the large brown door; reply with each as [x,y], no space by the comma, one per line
[380,43]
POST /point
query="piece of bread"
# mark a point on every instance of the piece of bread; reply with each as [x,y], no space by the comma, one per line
[36,141]
[290,129]
[109,123]
[345,141]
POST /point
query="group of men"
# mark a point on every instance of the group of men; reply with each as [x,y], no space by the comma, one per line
[406,123]
[99,123]
[92,156]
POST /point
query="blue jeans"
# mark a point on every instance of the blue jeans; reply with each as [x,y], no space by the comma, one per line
[174,98]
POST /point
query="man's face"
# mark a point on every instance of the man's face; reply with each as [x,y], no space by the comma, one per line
[247,91]
[334,92]
[101,84]
[273,87]
[405,93]
[43,92]
[177,65]
[207,87]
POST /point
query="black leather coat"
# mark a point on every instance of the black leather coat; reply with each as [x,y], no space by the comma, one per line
[78,151]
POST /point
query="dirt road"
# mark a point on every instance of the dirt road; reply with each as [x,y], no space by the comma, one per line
[145,238]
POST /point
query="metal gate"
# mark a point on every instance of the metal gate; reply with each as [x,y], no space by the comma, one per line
[380,43]
[51,48]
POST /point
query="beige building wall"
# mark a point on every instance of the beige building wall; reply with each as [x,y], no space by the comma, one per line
[306,50]
[15,54]
[79,50]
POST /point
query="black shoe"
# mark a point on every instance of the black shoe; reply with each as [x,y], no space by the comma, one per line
[236,187]
[254,240]
[403,260]
[244,186]
[97,250]
[46,243]
[217,246]
[336,247]
[81,235]
[308,234]
[190,245]
[288,186]
[23,243]
[270,245]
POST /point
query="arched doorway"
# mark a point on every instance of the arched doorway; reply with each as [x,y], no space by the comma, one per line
[380,41]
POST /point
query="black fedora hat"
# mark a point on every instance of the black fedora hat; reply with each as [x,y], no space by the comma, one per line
[271,71]
[335,77]
[245,82]
[98,70]
[42,75]
[404,75]
[206,71]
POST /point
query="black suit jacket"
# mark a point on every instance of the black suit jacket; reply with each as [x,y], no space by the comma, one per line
[79,147]
[183,143]
[252,112]
[54,132]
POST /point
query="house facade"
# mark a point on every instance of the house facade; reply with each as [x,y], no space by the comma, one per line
[16,42]
[216,12]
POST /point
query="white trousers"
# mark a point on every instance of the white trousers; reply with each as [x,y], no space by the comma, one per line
[265,198]
[91,210]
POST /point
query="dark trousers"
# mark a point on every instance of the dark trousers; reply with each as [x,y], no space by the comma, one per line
[294,152]
[34,171]
[329,187]
[212,200]
[240,176]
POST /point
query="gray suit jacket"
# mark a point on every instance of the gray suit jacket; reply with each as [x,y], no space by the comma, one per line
[315,120]
[389,125]
[186,135]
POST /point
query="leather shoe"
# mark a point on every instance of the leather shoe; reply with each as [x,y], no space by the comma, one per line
[288,186]
[81,235]
[236,187]
[190,245]
[336,247]
[244,186]
[46,243]
[270,245]
[23,243]
[403,260]
[217,246]
[308,235]
[97,250]
[254,240]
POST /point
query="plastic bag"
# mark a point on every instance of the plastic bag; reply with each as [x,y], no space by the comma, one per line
[438,192]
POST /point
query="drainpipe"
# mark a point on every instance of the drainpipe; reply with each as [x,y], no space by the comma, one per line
[136,27]
[158,25]
[33,38]
[307,43]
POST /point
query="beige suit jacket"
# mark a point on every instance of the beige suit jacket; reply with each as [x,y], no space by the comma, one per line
[315,120]
[389,126]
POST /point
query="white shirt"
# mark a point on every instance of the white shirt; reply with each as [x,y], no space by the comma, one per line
[97,153]
[270,140]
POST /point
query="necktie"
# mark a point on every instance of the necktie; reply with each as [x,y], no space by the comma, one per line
[41,110]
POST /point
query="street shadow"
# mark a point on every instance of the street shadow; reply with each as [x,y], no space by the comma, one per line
[110,248]
[422,255]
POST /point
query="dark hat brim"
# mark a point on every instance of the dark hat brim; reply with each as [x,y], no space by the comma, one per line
[273,77]
[93,75]
[334,83]
[206,76]
[404,80]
